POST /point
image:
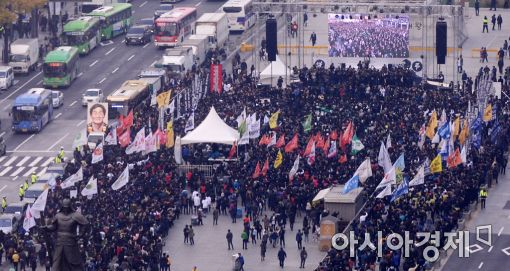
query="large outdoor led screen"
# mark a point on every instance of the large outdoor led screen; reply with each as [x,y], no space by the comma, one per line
[359,35]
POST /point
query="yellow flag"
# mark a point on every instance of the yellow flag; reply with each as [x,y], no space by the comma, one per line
[163,99]
[170,134]
[279,159]
[436,165]
[456,127]
[273,121]
[430,132]
[487,114]
[465,132]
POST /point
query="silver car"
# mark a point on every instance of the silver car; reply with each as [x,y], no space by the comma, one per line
[57,97]
[92,95]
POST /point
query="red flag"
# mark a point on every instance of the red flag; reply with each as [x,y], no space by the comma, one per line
[292,145]
[454,159]
[232,152]
[256,174]
[263,140]
[162,137]
[347,135]
[265,168]
[334,135]
[325,148]
[343,159]
[319,141]
[281,142]
[128,121]
[125,138]
[309,146]
[120,125]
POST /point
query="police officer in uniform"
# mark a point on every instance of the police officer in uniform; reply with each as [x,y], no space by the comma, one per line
[4,204]
[485,24]
[33,177]
[483,197]
[25,185]
[21,192]
[61,153]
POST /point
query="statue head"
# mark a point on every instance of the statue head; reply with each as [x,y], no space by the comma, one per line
[66,205]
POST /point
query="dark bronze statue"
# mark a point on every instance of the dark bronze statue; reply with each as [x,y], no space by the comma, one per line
[66,256]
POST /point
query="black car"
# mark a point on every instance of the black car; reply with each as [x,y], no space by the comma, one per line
[138,34]
[149,22]
[163,9]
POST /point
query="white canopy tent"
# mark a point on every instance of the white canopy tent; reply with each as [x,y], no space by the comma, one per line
[278,69]
[212,130]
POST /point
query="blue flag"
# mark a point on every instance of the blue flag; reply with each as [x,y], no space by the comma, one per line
[444,131]
[400,163]
[495,131]
[477,124]
[495,112]
[401,190]
[477,139]
[351,184]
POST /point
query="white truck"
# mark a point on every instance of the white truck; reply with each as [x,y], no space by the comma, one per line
[215,26]
[198,44]
[24,55]
[177,60]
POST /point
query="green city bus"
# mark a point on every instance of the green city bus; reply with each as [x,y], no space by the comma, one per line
[115,19]
[82,33]
[60,67]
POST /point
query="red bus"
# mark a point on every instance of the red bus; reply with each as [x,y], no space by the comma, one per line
[173,26]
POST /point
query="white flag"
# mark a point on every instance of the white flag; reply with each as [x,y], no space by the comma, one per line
[178,150]
[254,127]
[266,119]
[138,143]
[29,221]
[389,178]
[71,180]
[40,202]
[190,124]
[97,155]
[273,141]
[419,178]
[111,138]
[91,187]
[151,144]
[388,141]
[385,192]
[364,170]
[122,180]
[383,159]
[463,155]
[80,139]
[436,138]
[311,156]
[294,169]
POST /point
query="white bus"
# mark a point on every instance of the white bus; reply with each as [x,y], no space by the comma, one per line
[240,14]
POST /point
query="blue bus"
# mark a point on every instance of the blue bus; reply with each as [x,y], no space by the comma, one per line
[32,110]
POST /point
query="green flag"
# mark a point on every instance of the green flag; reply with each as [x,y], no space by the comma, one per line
[356,145]
[307,124]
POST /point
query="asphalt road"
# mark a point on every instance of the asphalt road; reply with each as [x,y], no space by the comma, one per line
[106,67]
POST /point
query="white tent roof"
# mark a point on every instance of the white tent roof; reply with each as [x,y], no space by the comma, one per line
[212,130]
[278,70]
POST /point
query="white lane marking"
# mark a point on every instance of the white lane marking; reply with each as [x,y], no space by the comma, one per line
[111,50]
[3,133]
[116,69]
[36,160]
[2,158]
[93,63]
[102,80]
[7,107]
[143,4]
[480,266]
[500,231]
[15,173]
[56,142]
[80,74]
[28,172]
[39,82]
[24,141]
[15,178]
[198,4]
[152,64]
[47,162]
[73,103]
[3,187]
[22,161]
[10,161]
[7,169]
[79,123]
[22,86]
[131,57]
[58,115]
[490,249]
[145,46]
[42,172]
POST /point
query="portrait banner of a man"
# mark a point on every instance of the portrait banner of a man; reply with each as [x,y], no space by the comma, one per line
[97,117]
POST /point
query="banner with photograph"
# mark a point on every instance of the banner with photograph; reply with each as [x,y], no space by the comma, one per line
[364,35]
[97,117]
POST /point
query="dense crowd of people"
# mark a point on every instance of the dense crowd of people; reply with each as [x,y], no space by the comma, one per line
[368,38]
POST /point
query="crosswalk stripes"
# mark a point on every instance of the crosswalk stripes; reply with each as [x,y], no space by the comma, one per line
[17,166]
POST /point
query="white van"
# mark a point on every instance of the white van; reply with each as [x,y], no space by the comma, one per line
[6,77]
